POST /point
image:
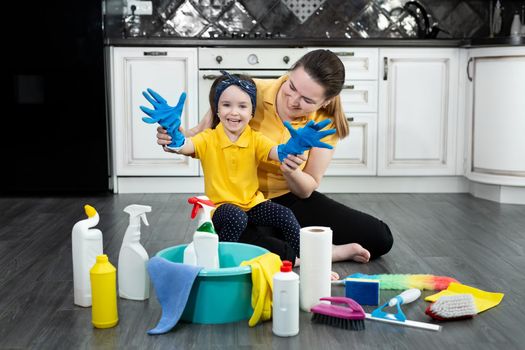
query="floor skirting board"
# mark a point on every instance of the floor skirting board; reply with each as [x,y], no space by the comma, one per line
[343,184]
[498,193]
[330,184]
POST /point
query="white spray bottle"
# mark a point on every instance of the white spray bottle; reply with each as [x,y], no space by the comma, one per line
[133,279]
[86,245]
[204,250]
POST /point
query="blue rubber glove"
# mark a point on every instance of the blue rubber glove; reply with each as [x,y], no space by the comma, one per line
[168,117]
[305,138]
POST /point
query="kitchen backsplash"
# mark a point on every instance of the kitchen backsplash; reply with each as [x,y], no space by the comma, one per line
[309,19]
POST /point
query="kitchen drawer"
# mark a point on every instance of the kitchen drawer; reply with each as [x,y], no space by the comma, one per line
[248,58]
[360,63]
[359,96]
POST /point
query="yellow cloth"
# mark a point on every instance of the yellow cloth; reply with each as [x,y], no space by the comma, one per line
[483,300]
[263,269]
[230,168]
[266,121]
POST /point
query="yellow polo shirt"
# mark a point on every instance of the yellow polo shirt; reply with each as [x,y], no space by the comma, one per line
[271,181]
[230,168]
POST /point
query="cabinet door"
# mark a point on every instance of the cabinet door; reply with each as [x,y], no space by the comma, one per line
[356,154]
[169,71]
[417,111]
[497,116]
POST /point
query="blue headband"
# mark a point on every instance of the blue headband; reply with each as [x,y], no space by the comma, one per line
[245,85]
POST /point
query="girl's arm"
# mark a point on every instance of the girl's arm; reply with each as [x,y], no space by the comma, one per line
[187,149]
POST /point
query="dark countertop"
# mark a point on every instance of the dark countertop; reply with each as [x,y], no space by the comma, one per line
[195,42]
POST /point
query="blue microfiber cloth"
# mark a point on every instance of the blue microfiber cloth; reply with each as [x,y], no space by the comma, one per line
[172,283]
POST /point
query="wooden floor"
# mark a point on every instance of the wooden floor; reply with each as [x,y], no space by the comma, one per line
[480,243]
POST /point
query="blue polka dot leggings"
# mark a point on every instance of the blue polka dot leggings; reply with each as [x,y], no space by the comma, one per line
[230,221]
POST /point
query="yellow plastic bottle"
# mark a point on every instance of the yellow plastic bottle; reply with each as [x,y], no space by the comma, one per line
[103,277]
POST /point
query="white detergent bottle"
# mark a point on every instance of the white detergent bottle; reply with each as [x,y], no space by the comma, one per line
[206,245]
[133,279]
[204,250]
[86,246]
[285,307]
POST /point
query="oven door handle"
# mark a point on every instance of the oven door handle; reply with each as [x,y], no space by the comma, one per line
[215,76]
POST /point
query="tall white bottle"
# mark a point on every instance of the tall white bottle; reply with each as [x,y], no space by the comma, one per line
[86,245]
[515,27]
[133,279]
[285,307]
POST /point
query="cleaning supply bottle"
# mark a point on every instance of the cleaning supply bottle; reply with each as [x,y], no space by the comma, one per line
[206,245]
[204,250]
[285,308]
[86,245]
[104,288]
[515,27]
[133,280]
[496,23]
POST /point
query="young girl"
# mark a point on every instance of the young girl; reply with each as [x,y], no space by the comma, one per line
[231,151]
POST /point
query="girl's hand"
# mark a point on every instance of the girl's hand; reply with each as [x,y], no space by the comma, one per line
[291,163]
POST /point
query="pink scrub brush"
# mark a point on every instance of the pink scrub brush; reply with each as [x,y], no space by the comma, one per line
[350,317]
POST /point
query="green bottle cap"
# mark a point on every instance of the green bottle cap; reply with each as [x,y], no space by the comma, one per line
[207,227]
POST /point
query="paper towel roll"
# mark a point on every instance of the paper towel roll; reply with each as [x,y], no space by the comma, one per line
[316,265]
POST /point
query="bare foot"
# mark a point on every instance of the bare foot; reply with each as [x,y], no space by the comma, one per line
[350,251]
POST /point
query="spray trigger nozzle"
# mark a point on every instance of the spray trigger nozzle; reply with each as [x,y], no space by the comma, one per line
[144,219]
[135,211]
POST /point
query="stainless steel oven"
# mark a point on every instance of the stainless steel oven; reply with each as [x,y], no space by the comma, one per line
[256,62]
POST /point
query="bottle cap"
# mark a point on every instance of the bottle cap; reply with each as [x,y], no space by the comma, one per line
[286,266]
[102,258]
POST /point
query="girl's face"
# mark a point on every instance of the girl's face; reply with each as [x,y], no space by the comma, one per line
[299,96]
[234,110]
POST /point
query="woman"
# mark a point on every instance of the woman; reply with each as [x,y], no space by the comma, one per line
[309,91]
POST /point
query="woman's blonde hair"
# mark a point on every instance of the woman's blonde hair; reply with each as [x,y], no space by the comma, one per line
[326,68]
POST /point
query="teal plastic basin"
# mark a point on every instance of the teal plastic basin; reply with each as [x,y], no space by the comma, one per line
[220,295]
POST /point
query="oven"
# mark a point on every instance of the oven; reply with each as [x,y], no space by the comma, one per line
[263,63]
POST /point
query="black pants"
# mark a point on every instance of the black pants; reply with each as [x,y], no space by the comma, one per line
[348,226]
[230,221]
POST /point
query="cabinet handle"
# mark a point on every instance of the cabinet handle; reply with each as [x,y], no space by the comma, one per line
[385,68]
[344,53]
[350,119]
[215,76]
[350,87]
[155,53]
[468,68]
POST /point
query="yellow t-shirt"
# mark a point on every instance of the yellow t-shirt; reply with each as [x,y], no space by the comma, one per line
[271,181]
[230,168]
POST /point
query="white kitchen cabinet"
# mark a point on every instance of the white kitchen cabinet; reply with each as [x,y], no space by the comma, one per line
[356,154]
[417,112]
[169,71]
[496,116]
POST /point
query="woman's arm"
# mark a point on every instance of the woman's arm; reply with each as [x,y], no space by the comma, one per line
[304,182]
[204,124]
